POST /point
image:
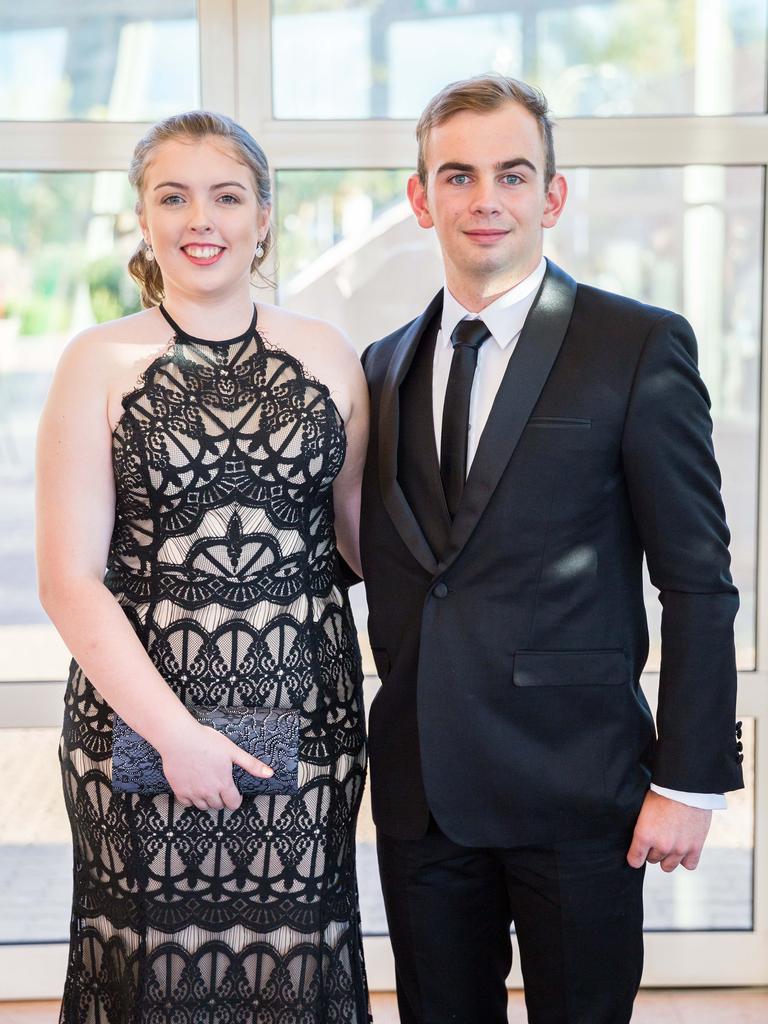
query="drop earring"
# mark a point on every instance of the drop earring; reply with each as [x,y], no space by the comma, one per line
[259,251]
[149,255]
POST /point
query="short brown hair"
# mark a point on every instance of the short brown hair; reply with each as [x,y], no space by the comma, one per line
[483,94]
[191,126]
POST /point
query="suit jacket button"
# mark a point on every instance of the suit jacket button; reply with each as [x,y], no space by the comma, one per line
[739,746]
[740,758]
[440,590]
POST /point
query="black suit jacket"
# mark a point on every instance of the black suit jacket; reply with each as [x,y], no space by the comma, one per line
[510,704]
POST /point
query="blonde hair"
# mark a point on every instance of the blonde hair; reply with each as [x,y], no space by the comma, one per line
[195,124]
[483,94]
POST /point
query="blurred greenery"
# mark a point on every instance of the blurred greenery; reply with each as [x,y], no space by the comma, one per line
[434,8]
[310,209]
[280,7]
[649,37]
[51,259]
[591,57]
[112,290]
[47,250]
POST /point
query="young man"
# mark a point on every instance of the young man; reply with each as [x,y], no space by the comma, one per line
[531,439]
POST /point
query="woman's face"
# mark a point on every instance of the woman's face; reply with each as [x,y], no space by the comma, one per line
[200,213]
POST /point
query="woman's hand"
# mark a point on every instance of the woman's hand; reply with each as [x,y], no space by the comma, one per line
[197,762]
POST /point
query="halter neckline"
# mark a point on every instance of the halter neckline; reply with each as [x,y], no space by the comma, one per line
[180,332]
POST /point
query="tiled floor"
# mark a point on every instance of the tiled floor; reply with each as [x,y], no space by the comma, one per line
[710,1006]
[694,1007]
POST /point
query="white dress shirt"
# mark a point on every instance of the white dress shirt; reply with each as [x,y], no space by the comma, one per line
[504,318]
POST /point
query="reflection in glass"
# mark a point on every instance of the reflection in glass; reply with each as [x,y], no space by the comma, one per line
[35,840]
[126,60]
[688,239]
[64,243]
[598,58]
[349,251]
[36,860]
[718,894]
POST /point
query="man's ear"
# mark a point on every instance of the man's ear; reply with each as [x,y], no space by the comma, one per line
[417,196]
[557,193]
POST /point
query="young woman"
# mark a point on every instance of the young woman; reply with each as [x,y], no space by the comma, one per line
[199,465]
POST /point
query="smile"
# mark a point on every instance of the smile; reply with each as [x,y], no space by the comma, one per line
[486,236]
[202,254]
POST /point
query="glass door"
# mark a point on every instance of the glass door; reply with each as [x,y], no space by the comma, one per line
[661,122]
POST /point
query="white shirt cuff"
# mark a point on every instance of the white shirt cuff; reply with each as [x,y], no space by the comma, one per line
[706,801]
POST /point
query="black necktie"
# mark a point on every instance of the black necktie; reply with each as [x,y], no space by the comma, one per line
[466,339]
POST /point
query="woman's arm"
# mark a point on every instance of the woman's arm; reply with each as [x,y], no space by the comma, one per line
[348,483]
[75,517]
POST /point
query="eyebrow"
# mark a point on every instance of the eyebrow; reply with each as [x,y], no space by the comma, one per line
[221,184]
[504,165]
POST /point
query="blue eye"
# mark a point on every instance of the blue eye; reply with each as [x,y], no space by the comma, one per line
[459,179]
[171,200]
[231,200]
[512,179]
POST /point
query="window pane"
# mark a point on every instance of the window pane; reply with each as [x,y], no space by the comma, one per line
[36,853]
[687,239]
[718,894]
[373,917]
[598,58]
[64,243]
[35,840]
[350,251]
[126,60]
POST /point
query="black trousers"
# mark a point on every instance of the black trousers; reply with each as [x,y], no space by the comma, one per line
[578,915]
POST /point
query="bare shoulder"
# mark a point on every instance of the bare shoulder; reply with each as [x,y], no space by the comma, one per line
[110,358]
[305,336]
[323,349]
[115,341]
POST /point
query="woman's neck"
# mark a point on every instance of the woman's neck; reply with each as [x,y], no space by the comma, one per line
[212,317]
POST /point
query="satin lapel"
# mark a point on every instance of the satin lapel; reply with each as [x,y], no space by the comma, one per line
[525,376]
[392,495]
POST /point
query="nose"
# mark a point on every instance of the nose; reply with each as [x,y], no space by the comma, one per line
[200,218]
[485,199]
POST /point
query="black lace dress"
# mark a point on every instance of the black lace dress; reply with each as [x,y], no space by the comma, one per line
[223,558]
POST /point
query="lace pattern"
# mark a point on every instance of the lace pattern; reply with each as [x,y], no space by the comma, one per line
[223,558]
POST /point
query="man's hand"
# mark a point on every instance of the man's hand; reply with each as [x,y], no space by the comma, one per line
[668,833]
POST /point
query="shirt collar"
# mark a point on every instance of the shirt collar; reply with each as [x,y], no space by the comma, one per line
[505,316]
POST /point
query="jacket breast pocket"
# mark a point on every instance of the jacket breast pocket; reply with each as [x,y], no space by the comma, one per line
[552,434]
[559,423]
[570,668]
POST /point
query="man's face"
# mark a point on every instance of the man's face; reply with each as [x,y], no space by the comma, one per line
[485,195]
